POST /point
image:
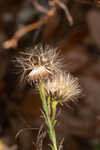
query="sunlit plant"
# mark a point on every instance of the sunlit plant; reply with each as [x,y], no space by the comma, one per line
[42,66]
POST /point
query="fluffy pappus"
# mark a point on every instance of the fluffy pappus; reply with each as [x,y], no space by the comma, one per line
[63,86]
[39,63]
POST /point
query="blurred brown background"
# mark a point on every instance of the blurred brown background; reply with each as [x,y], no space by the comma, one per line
[79,122]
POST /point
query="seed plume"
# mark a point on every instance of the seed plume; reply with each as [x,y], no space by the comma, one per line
[63,86]
[39,63]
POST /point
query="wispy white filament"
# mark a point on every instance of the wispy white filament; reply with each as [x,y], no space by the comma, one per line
[63,86]
[39,62]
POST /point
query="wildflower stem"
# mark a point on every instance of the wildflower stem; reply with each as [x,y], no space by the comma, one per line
[47,118]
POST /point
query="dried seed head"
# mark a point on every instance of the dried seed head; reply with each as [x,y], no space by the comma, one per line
[39,63]
[63,86]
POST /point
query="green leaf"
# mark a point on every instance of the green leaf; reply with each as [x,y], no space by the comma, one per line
[44,116]
[54,123]
[48,103]
[53,105]
[51,146]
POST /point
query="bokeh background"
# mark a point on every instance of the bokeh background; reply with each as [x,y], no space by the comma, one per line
[79,122]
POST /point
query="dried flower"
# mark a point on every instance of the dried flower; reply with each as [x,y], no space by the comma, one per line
[39,63]
[63,86]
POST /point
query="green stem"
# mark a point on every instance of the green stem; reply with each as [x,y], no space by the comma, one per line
[47,118]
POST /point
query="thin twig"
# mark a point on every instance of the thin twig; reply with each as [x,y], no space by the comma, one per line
[39,7]
[22,130]
[65,8]
[40,137]
[14,40]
